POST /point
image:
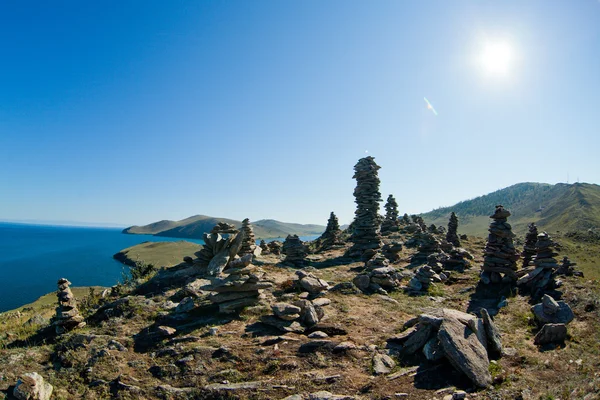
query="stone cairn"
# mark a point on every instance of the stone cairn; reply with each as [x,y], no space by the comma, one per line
[458,260]
[249,241]
[452,234]
[428,244]
[529,247]
[551,317]
[264,247]
[220,247]
[541,271]
[568,268]
[463,339]
[67,314]
[391,223]
[331,238]
[239,285]
[275,247]
[367,223]
[391,251]
[424,277]
[500,256]
[417,219]
[405,219]
[294,250]
[378,276]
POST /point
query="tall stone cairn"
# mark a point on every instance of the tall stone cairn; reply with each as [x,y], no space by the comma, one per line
[332,235]
[529,247]
[544,266]
[391,222]
[367,223]
[405,220]
[294,250]
[452,234]
[67,314]
[500,256]
[249,242]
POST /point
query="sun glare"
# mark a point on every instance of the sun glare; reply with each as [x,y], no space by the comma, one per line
[496,58]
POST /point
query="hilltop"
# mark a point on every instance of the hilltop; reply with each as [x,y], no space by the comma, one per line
[554,208]
[194,227]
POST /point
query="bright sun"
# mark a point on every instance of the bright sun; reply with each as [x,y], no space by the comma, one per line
[496,58]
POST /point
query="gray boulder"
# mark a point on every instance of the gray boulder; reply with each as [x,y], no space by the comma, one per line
[382,364]
[32,386]
[551,333]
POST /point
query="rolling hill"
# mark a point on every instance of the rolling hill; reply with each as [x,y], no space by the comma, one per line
[554,208]
[194,227]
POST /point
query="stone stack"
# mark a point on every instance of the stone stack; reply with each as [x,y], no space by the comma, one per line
[405,219]
[429,244]
[249,241]
[220,247]
[423,278]
[67,314]
[297,315]
[294,250]
[391,223]
[452,234]
[332,237]
[500,256]
[310,283]
[224,227]
[240,286]
[463,339]
[529,247]
[540,275]
[378,276]
[433,229]
[568,268]
[391,251]
[418,220]
[552,318]
[264,247]
[367,223]
[275,247]
[458,260]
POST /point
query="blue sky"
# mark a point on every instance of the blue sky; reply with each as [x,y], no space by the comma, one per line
[131,112]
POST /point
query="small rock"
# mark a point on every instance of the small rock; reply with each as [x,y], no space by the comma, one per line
[382,364]
[185,305]
[318,335]
[166,331]
[32,386]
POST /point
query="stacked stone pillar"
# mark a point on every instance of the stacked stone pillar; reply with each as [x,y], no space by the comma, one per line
[249,241]
[67,314]
[391,223]
[529,247]
[452,234]
[500,256]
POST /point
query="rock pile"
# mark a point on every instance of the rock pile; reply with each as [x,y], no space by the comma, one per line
[541,272]
[306,312]
[405,220]
[391,251]
[294,250]
[310,283]
[466,341]
[391,223]
[500,256]
[379,276]
[67,315]
[249,241]
[429,244]
[240,286]
[418,220]
[220,246]
[529,247]
[275,247]
[424,277]
[452,234]
[367,223]
[331,238]
[552,317]
[264,247]
[458,260]
[568,268]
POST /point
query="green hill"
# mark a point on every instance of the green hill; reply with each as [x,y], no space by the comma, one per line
[554,208]
[194,227]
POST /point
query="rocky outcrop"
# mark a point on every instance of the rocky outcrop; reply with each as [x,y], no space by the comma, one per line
[541,272]
[67,315]
[367,223]
[249,241]
[31,386]
[452,234]
[391,223]
[295,251]
[461,338]
[500,256]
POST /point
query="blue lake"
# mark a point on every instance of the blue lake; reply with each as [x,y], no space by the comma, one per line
[34,257]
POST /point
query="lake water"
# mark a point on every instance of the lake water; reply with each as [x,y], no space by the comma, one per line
[34,257]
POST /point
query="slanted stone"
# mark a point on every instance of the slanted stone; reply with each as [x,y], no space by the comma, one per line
[494,344]
[464,351]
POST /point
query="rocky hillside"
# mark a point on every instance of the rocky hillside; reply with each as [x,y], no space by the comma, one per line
[194,227]
[561,207]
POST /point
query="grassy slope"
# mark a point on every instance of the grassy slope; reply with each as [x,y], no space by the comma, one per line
[159,254]
[559,207]
[194,227]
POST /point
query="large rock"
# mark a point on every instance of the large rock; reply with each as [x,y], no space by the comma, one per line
[313,285]
[551,333]
[494,344]
[464,351]
[32,386]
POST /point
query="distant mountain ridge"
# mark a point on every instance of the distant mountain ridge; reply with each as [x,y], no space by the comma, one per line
[561,207]
[195,226]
